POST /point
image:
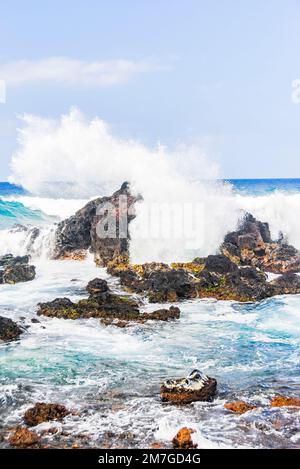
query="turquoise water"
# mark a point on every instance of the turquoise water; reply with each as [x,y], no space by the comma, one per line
[110,377]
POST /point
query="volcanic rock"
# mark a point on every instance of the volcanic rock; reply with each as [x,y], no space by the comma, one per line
[183,439]
[252,245]
[239,407]
[282,401]
[196,387]
[80,231]
[22,437]
[160,315]
[15,269]
[9,330]
[43,412]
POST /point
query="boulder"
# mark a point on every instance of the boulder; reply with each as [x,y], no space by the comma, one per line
[282,401]
[43,412]
[96,286]
[286,284]
[22,438]
[9,330]
[239,407]
[196,387]
[183,439]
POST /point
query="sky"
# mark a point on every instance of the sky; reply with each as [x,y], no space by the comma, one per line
[216,74]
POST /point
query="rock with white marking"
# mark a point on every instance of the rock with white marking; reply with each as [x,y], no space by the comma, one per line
[195,387]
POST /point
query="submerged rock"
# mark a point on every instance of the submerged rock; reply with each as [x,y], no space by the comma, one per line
[15,269]
[282,401]
[160,315]
[196,387]
[9,330]
[183,439]
[43,412]
[108,306]
[239,407]
[22,437]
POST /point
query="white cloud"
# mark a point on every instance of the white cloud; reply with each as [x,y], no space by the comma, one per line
[67,71]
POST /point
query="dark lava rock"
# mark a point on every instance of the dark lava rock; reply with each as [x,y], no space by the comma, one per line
[79,232]
[96,286]
[98,305]
[220,264]
[15,269]
[170,314]
[252,245]
[9,330]
[22,438]
[196,387]
[286,284]
[43,412]
[161,314]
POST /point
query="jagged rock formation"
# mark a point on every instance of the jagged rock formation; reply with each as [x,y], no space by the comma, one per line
[15,269]
[80,232]
[240,407]
[252,245]
[234,274]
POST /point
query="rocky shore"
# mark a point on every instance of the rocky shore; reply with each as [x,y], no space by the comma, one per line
[238,271]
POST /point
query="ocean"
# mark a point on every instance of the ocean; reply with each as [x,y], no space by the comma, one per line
[110,377]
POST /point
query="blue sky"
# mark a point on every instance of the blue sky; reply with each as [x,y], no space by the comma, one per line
[214,73]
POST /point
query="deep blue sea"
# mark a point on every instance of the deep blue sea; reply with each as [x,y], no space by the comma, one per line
[110,377]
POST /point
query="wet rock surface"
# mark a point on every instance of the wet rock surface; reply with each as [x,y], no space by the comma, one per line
[79,232]
[104,304]
[183,439]
[43,412]
[239,407]
[15,269]
[282,401]
[163,315]
[22,438]
[196,387]
[9,330]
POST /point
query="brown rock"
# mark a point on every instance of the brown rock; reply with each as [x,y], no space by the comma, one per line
[239,406]
[183,439]
[43,412]
[23,437]
[196,387]
[281,401]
